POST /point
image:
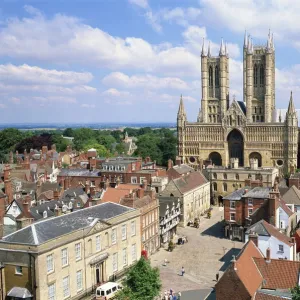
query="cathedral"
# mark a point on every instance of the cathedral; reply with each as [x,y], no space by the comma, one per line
[245,128]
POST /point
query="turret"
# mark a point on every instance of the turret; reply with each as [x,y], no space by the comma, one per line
[291,115]
[181,116]
[222,48]
[249,79]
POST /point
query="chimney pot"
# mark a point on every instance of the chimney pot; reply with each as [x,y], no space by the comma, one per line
[268,255]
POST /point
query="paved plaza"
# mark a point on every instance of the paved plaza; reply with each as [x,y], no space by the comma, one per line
[206,253]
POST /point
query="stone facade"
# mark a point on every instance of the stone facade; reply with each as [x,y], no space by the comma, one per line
[245,129]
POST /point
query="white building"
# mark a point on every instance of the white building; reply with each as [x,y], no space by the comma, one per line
[265,236]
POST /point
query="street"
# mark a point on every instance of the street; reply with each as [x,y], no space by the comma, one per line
[205,254]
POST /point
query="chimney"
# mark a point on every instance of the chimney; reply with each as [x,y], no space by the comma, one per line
[66,183]
[53,147]
[92,191]
[117,182]
[170,164]
[56,195]
[253,236]
[248,182]
[144,184]
[44,149]
[268,255]
[57,211]
[11,157]
[106,184]
[87,187]
[234,263]
[7,184]
[178,161]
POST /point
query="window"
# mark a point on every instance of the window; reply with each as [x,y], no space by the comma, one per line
[262,75]
[133,252]
[98,243]
[280,248]
[132,228]
[124,229]
[50,263]
[216,76]
[115,262]
[232,204]
[215,186]
[225,176]
[210,77]
[142,179]
[106,239]
[79,280]
[133,180]
[282,224]
[250,211]
[225,187]
[113,236]
[90,250]
[51,291]
[250,202]
[133,167]
[78,204]
[78,251]
[19,270]
[64,257]
[232,216]
[255,75]
[93,183]
[215,176]
[237,177]
[124,256]
[66,287]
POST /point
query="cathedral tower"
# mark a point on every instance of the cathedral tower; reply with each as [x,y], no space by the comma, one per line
[215,85]
[259,80]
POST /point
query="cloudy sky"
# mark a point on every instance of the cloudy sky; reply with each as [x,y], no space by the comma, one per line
[129,60]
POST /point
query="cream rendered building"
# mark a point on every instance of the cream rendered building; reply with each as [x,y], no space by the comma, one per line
[245,129]
[68,256]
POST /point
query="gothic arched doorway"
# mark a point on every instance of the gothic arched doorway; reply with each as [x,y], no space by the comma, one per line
[257,156]
[215,158]
[236,146]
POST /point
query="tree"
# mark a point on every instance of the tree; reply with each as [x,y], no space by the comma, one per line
[295,293]
[106,140]
[35,142]
[101,150]
[68,132]
[120,148]
[81,136]
[9,137]
[141,282]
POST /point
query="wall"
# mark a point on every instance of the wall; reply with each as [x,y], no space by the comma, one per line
[12,279]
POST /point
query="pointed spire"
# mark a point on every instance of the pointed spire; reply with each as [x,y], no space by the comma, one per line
[208,51]
[280,117]
[181,110]
[226,53]
[249,46]
[272,42]
[252,50]
[222,48]
[291,108]
[246,40]
[203,47]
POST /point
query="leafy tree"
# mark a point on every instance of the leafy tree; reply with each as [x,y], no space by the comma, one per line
[60,142]
[101,150]
[68,132]
[120,148]
[106,140]
[118,135]
[141,282]
[81,136]
[35,142]
[295,293]
[9,137]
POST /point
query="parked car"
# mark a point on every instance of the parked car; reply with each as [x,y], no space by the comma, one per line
[107,290]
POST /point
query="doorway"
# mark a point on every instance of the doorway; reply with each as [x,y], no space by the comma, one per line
[236,146]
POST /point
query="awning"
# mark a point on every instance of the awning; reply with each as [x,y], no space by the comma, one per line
[99,258]
[19,292]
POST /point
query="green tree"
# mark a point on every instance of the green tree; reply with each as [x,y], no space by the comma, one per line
[68,132]
[120,148]
[9,137]
[106,140]
[295,293]
[101,150]
[81,136]
[60,142]
[142,282]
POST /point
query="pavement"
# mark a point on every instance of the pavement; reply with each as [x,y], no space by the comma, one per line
[206,253]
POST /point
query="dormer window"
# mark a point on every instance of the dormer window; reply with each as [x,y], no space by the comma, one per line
[45,214]
[111,168]
[70,205]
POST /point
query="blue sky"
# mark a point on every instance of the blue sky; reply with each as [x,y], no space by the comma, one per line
[129,60]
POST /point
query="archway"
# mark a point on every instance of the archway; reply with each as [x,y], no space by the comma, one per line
[215,158]
[236,146]
[257,156]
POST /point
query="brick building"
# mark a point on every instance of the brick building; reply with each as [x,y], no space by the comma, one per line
[253,276]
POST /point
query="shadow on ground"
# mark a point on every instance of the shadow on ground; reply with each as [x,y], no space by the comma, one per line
[228,257]
[216,230]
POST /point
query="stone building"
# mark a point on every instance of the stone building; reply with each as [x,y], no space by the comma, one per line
[225,180]
[193,190]
[70,255]
[247,128]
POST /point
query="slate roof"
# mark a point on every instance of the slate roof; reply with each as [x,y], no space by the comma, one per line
[183,169]
[258,193]
[292,196]
[263,228]
[18,292]
[236,195]
[164,202]
[78,172]
[41,232]
[265,294]
[242,106]
[189,182]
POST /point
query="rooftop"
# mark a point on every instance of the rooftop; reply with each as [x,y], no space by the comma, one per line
[189,182]
[258,192]
[78,172]
[41,232]
[292,196]
[236,195]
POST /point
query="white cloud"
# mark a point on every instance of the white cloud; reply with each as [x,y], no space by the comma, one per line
[180,16]
[85,105]
[34,74]
[122,80]
[115,93]
[141,3]
[15,100]
[55,99]
[282,16]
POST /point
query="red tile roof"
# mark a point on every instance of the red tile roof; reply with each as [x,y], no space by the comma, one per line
[278,274]
[246,268]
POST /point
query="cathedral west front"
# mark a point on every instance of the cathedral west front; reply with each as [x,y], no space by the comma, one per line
[247,128]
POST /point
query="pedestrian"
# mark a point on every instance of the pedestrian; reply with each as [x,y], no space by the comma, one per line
[182,271]
[170,297]
[217,276]
[171,292]
[175,297]
[179,295]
